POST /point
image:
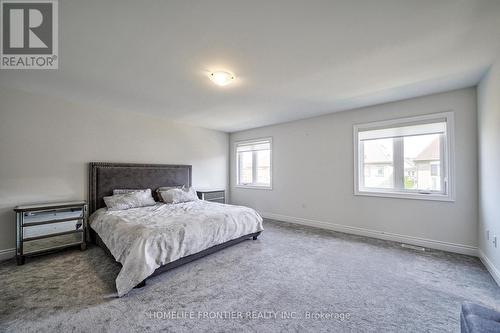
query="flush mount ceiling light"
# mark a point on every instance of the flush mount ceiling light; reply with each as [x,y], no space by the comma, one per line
[221,78]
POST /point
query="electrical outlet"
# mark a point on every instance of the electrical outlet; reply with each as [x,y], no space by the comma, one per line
[495,241]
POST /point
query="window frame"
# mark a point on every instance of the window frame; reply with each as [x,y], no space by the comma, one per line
[447,168]
[237,170]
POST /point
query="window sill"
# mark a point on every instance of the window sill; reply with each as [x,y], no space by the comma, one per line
[413,196]
[254,187]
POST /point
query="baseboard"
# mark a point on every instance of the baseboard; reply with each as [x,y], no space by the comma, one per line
[495,273]
[429,243]
[7,254]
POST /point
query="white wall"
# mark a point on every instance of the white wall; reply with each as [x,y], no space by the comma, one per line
[313,177]
[489,167]
[46,144]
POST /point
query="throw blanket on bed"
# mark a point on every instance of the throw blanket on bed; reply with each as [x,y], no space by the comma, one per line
[143,239]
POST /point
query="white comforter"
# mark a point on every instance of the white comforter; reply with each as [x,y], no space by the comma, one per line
[143,239]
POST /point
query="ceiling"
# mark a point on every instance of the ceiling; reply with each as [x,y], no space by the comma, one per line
[293,59]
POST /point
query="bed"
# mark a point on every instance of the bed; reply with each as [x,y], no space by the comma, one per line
[150,240]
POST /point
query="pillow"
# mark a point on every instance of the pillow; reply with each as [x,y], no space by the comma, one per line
[166,188]
[129,200]
[177,195]
[125,191]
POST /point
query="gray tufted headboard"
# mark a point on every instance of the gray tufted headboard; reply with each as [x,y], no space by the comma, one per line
[104,177]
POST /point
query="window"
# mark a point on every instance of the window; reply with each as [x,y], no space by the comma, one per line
[381,172]
[406,158]
[253,163]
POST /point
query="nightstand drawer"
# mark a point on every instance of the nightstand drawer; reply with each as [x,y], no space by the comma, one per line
[213,195]
[52,215]
[218,200]
[49,243]
[52,228]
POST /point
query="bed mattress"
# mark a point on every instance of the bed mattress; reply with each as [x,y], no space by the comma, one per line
[143,239]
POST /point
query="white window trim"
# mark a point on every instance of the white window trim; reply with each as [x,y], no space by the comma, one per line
[256,187]
[450,158]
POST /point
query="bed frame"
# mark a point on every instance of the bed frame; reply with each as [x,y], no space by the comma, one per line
[104,177]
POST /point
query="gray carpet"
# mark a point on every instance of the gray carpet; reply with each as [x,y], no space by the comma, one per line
[291,279]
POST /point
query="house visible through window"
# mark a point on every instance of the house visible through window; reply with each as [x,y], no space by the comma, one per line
[253,163]
[405,158]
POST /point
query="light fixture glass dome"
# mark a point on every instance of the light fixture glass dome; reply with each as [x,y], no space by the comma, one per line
[222,78]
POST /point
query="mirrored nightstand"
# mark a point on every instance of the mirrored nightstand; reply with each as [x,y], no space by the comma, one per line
[215,195]
[46,227]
